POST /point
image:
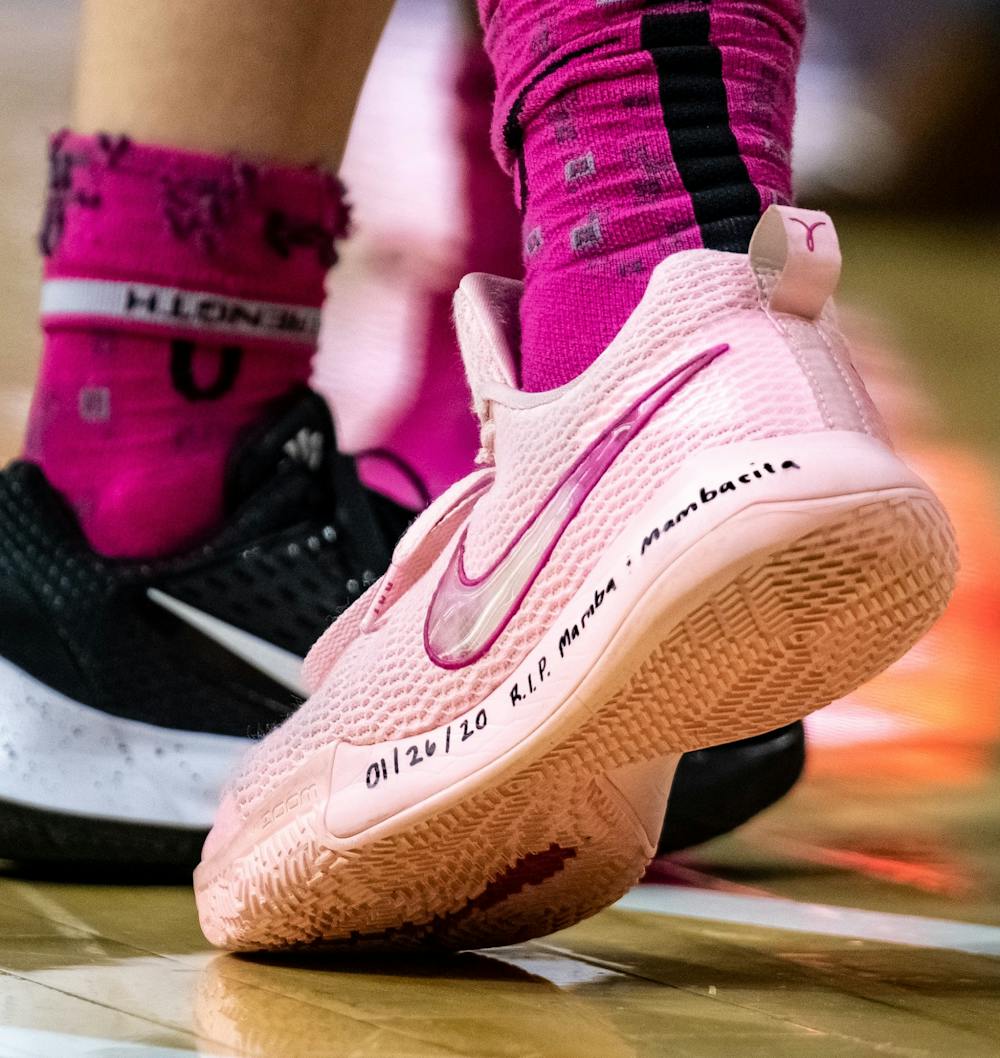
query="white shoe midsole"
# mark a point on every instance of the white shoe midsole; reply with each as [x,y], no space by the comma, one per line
[60,756]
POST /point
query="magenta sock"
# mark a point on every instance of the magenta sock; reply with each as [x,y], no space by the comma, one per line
[434,443]
[633,130]
[181,296]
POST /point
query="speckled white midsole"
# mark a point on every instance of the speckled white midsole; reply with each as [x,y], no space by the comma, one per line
[60,756]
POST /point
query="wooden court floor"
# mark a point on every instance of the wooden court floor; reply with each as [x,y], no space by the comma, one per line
[860,917]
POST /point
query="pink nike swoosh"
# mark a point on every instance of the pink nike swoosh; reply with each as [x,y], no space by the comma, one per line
[466,616]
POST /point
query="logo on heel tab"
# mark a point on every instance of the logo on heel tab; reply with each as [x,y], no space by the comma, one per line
[810,231]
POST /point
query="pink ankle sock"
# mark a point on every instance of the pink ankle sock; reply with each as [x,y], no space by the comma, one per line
[399,394]
[181,296]
[438,437]
[633,130]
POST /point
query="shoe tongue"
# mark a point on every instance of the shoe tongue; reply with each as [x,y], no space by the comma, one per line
[488,320]
[297,432]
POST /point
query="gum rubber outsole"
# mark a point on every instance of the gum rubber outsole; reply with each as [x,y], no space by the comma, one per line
[784,633]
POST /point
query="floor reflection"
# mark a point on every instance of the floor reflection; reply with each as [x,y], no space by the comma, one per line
[405,1008]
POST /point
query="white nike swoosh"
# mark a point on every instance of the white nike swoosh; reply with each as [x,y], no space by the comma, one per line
[279,664]
[467,614]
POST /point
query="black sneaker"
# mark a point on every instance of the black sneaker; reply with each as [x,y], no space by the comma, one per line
[128,690]
[719,789]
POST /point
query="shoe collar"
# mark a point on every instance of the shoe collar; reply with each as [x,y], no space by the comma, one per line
[794,259]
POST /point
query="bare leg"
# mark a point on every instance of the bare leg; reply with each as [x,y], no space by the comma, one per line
[276,79]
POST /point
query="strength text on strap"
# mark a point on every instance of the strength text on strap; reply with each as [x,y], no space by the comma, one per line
[169,307]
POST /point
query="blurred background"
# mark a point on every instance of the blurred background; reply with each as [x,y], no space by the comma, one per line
[899,136]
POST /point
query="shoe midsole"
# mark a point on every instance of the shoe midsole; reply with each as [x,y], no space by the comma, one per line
[61,756]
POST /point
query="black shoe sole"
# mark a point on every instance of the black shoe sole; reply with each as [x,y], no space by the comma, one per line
[719,789]
[35,838]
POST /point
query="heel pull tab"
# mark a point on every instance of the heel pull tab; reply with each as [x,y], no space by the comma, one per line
[795,255]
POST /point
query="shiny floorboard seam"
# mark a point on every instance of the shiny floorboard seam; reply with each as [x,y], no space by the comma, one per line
[820,919]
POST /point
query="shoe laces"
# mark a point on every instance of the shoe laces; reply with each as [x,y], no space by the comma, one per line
[485,457]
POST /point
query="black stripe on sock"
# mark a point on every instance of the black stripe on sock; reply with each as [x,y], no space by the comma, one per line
[696,116]
[513,133]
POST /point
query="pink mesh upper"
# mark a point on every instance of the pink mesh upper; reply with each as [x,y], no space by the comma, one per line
[777,379]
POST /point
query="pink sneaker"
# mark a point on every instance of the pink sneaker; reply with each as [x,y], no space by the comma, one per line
[703,537]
